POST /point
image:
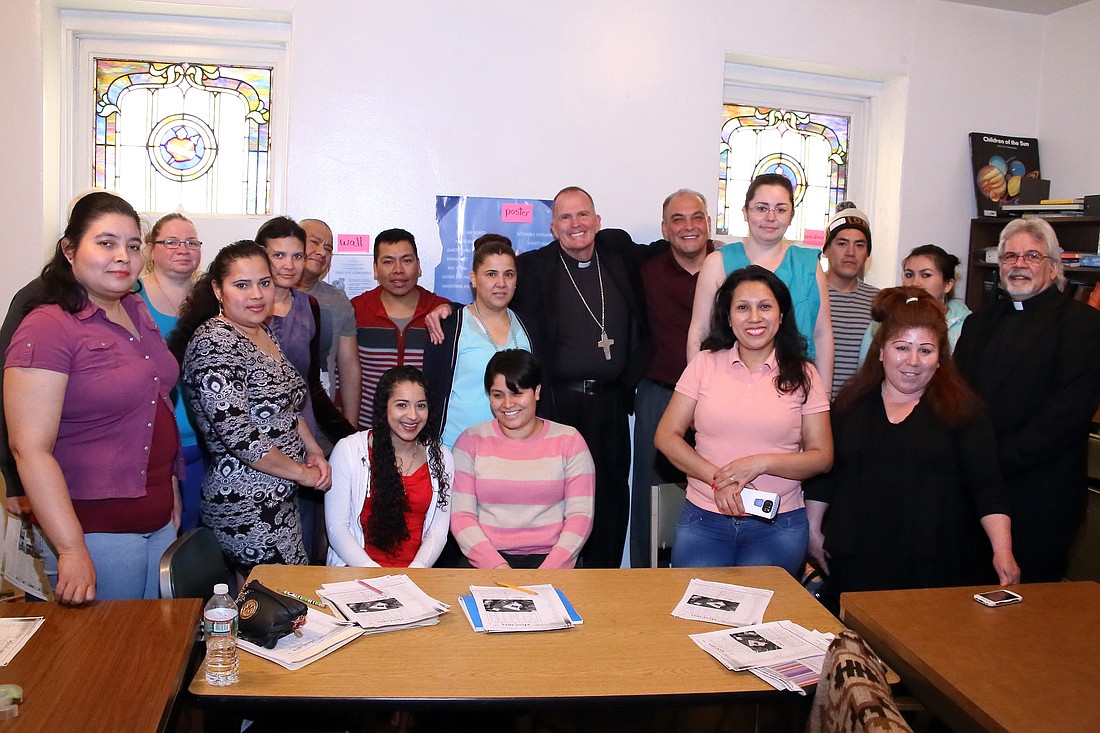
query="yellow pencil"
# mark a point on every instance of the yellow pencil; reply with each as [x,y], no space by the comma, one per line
[516,587]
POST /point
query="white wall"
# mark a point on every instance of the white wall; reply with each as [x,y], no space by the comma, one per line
[394,103]
[21,155]
[1068,103]
[970,70]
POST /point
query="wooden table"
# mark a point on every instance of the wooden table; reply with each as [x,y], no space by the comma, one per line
[110,666]
[1033,666]
[629,647]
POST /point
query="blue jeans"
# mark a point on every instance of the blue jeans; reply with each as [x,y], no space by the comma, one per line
[708,539]
[127,566]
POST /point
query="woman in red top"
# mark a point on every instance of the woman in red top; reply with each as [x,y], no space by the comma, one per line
[389,503]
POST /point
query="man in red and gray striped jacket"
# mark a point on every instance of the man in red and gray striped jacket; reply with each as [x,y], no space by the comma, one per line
[389,319]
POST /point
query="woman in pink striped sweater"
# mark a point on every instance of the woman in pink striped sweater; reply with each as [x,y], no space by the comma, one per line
[523,486]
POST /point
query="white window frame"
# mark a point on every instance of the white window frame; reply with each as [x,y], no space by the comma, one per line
[87,35]
[758,82]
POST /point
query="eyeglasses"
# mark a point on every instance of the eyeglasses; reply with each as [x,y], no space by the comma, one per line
[175,243]
[1031,257]
[763,209]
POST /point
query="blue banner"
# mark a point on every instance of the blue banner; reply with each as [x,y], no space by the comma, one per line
[462,219]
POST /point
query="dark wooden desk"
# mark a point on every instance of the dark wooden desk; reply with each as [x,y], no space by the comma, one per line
[629,649]
[110,666]
[1030,667]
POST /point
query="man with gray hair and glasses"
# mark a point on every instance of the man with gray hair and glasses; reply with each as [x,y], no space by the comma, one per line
[1034,358]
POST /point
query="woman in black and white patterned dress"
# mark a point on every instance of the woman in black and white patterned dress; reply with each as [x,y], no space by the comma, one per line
[246,397]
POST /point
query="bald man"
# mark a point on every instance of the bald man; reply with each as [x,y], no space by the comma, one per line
[338,352]
[583,295]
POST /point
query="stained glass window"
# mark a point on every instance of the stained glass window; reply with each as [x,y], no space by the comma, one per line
[196,136]
[811,149]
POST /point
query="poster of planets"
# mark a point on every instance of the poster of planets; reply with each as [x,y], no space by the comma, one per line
[1001,163]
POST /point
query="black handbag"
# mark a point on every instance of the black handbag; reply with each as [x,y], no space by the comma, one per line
[267,616]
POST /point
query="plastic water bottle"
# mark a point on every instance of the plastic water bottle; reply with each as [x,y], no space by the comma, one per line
[219,625]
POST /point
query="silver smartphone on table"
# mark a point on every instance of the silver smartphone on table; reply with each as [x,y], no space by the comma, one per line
[1000,597]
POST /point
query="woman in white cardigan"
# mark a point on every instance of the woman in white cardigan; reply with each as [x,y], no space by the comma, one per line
[389,505]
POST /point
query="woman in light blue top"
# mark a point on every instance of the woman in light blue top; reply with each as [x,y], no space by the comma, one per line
[472,334]
[173,254]
[768,210]
[931,269]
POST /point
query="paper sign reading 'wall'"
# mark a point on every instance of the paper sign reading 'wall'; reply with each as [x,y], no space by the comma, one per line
[353,244]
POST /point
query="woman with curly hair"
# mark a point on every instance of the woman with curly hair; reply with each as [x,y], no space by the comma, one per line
[761,419]
[389,503]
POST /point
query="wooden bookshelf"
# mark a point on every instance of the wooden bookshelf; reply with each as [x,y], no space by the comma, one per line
[1075,234]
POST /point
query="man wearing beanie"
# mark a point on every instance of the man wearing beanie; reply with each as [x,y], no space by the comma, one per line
[847,246]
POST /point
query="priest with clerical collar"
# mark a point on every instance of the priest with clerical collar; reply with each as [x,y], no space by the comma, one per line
[1035,360]
[583,294]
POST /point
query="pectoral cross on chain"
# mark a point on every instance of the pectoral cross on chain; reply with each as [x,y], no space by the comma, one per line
[605,344]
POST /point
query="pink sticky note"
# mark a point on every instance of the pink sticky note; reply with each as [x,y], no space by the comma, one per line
[516,213]
[353,244]
[813,238]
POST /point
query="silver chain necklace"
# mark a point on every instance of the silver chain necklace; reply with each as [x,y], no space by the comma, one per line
[604,342]
[485,330]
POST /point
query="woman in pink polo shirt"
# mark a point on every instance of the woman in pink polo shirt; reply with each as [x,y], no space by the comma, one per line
[761,417]
[86,386]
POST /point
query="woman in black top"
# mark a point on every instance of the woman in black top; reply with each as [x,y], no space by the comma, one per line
[912,487]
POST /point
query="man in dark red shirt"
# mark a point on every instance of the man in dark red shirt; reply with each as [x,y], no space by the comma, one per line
[669,279]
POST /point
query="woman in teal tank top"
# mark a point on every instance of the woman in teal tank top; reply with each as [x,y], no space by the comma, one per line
[768,210]
[173,253]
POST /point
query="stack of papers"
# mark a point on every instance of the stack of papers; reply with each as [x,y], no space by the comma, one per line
[321,635]
[389,603]
[793,676]
[722,603]
[530,608]
[787,650]
[14,633]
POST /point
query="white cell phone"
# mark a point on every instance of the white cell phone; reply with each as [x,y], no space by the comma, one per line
[1000,597]
[763,504]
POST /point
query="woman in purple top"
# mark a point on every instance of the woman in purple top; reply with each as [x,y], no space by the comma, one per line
[295,322]
[87,383]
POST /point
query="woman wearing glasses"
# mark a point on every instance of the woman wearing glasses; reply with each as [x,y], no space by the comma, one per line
[769,209]
[173,253]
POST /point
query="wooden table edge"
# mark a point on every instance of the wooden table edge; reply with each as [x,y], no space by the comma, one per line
[922,680]
[183,676]
[221,703]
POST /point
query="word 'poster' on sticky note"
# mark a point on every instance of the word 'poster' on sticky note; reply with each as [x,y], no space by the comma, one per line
[353,244]
[517,213]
